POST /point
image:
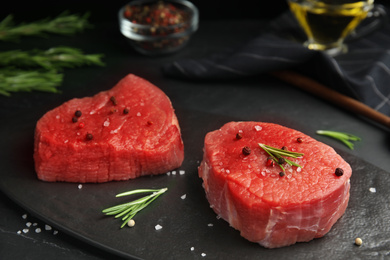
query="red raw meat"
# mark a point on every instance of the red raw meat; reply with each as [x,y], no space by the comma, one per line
[250,194]
[123,133]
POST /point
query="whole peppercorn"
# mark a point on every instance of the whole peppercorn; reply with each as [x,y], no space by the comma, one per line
[270,162]
[126,110]
[246,150]
[78,113]
[238,136]
[281,160]
[339,172]
[113,100]
[74,119]
[299,140]
[281,174]
[89,136]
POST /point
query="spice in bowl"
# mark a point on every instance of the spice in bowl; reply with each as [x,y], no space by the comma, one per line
[158,27]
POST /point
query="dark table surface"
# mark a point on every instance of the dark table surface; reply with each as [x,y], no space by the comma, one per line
[260,98]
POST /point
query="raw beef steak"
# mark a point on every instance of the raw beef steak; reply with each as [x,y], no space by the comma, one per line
[247,190]
[119,134]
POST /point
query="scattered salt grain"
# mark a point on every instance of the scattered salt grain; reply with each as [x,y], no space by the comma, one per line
[24,216]
[183,196]
[192,248]
[173,172]
[138,114]
[55,232]
[158,227]
[227,171]
[19,232]
[181,172]
[299,169]
[373,190]
[106,123]
[25,230]
[258,128]
[203,254]
[47,227]
[240,131]
[28,224]
[210,224]
[168,173]
[80,186]
[35,224]
[38,230]
[66,141]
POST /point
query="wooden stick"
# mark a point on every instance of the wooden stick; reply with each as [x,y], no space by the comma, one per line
[335,97]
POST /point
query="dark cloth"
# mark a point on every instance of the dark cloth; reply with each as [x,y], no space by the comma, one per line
[362,73]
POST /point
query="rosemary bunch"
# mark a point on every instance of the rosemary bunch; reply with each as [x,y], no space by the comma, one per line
[53,58]
[128,210]
[64,23]
[22,80]
[277,154]
[341,136]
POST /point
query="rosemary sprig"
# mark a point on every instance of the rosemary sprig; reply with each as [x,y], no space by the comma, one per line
[65,24]
[53,58]
[128,210]
[341,136]
[276,153]
[21,80]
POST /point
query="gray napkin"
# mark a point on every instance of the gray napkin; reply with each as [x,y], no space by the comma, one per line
[362,73]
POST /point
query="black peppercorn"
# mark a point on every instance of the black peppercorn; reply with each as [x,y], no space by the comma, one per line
[89,136]
[78,113]
[246,150]
[339,172]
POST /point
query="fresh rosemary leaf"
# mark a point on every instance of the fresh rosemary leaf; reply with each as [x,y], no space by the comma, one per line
[341,136]
[128,210]
[65,24]
[21,80]
[53,58]
[276,153]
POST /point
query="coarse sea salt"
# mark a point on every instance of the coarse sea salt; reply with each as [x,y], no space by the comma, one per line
[38,230]
[203,254]
[138,114]
[47,227]
[258,128]
[24,216]
[183,196]
[80,186]
[106,123]
[25,230]
[192,248]
[181,172]
[210,224]
[157,227]
[373,190]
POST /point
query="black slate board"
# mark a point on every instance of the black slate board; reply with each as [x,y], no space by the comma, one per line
[186,221]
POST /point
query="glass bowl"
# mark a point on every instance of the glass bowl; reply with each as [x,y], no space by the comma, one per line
[158,27]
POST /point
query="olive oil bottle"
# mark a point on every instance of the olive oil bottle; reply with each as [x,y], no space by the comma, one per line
[326,22]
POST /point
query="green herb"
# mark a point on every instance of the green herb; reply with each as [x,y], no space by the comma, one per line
[43,66]
[53,58]
[63,24]
[276,154]
[21,80]
[128,210]
[341,136]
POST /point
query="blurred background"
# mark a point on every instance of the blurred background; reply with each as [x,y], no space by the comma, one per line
[107,10]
